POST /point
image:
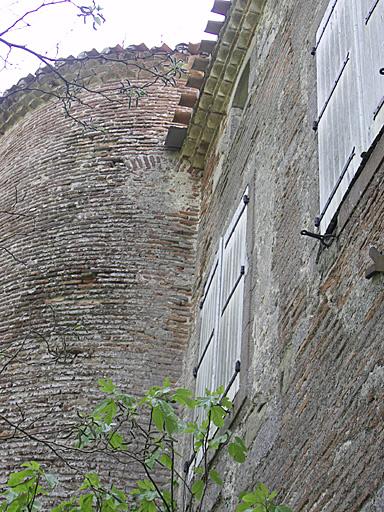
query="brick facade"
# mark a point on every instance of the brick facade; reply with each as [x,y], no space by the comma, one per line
[98,232]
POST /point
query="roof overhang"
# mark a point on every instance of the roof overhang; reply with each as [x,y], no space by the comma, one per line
[235,36]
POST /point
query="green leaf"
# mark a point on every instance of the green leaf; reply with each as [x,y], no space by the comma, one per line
[152,459]
[219,392]
[35,466]
[171,424]
[215,477]
[259,495]
[106,411]
[184,397]
[86,503]
[241,443]
[163,415]
[116,440]
[166,383]
[217,441]
[218,415]
[15,479]
[166,461]
[158,418]
[237,450]
[148,506]
[226,402]
[91,480]
[244,507]
[260,500]
[107,386]
[65,506]
[191,427]
[128,401]
[198,489]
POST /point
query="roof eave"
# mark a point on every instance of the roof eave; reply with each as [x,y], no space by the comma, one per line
[227,59]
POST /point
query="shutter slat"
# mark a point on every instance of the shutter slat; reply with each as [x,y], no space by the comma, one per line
[230,339]
[205,373]
[324,24]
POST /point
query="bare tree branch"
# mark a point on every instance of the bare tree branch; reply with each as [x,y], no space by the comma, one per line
[32,11]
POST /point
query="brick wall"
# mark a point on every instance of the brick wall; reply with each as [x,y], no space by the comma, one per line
[313,414]
[97,255]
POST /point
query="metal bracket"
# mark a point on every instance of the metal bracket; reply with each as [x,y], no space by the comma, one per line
[378,265]
[325,240]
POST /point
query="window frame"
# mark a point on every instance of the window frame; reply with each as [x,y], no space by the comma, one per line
[243,342]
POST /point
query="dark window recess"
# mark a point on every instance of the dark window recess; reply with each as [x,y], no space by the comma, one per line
[241,94]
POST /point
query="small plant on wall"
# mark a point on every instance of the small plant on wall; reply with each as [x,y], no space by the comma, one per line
[147,435]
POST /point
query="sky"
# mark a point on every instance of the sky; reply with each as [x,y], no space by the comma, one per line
[57,31]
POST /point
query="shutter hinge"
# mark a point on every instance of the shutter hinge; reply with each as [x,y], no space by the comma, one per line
[242,270]
[371,11]
[237,366]
[325,240]
[245,199]
[317,121]
[194,371]
[380,106]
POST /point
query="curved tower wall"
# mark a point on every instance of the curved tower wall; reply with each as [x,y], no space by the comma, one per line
[96,259]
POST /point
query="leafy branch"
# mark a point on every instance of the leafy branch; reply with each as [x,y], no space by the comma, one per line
[143,432]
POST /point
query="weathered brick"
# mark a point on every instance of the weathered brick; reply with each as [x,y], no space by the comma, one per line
[97,248]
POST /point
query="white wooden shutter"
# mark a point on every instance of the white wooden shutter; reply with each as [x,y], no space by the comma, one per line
[339,121]
[370,30]
[206,371]
[221,317]
[234,266]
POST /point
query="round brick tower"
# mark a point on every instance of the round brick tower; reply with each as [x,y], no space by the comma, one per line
[96,258]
